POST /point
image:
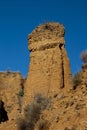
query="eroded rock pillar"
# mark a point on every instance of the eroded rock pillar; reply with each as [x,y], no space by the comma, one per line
[49,69]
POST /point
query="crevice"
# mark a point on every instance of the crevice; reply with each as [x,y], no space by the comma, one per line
[60,46]
[3,113]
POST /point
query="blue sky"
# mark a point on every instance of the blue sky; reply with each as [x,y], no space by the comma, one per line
[19,17]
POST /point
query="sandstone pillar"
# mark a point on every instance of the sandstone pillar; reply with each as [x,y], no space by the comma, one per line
[49,69]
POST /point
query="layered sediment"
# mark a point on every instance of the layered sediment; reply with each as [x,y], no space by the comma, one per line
[49,69]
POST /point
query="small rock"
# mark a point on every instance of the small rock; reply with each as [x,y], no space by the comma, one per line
[60,96]
[66,128]
[67,105]
[55,95]
[71,102]
[76,97]
[57,118]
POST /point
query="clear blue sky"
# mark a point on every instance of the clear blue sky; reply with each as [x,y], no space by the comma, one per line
[19,17]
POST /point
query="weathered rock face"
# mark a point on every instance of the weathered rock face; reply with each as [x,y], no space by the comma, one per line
[10,85]
[84,74]
[49,69]
[49,74]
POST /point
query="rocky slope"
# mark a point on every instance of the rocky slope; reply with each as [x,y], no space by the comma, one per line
[49,76]
[10,86]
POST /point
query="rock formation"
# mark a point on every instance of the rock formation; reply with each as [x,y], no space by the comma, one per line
[10,85]
[49,80]
[49,69]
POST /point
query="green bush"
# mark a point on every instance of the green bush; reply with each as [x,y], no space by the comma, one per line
[21,92]
[20,95]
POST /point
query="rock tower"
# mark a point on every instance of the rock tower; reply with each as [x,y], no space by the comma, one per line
[49,70]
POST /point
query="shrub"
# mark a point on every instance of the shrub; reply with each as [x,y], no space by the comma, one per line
[20,95]
[8,72]
[43,125]
[83,56]
[44,102]
[76,80]
[21,92]
[21,124]
[24,125]
[32,113]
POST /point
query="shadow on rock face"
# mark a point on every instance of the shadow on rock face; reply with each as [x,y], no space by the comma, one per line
[3,113]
